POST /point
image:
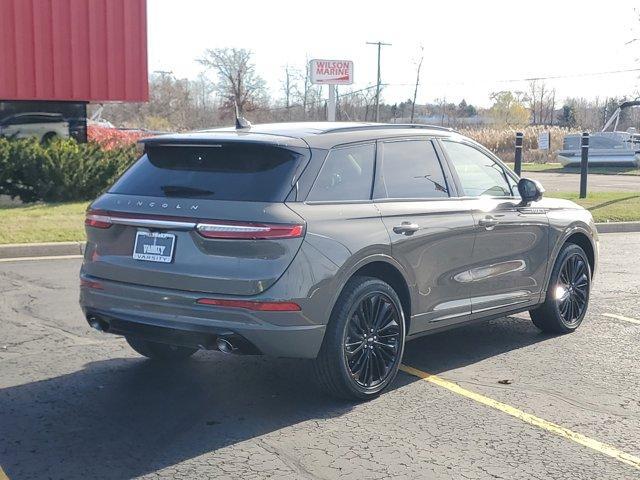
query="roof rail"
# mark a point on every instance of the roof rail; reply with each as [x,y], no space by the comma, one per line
[388,125]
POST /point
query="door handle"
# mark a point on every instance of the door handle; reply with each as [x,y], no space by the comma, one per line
[406,228]
[488,222]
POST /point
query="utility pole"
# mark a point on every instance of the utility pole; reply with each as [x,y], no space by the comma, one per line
[380,45]
[415,91]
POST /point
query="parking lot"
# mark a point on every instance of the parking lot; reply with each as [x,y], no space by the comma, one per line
[507,402]
[570,182]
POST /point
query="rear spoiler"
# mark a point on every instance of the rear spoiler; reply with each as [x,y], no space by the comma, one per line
[214,139]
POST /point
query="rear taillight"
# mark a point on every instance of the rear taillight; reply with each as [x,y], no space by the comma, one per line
[249,305]
[207,228]
[97,219]
[249,231]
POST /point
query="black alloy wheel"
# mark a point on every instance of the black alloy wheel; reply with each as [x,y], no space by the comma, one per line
[364,341]
[372,341]
[567,297]
[572,289]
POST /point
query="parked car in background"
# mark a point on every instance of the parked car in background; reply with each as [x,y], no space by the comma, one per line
[335,242]
[45,126]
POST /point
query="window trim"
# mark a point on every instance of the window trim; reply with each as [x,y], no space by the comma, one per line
[379,191]
[505,170]
[324,160]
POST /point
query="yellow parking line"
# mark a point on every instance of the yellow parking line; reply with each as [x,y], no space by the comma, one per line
[3,476]
[620,317]
[25,259]
[527,417]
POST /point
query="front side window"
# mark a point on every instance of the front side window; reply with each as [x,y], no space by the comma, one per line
[347,175]
[411,169]
[479,174]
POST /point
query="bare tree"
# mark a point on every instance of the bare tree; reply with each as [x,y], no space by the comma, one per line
[542,103]
[203,88]
[237,78]
[415,91]
[289,88]
[311,94]
[442,108]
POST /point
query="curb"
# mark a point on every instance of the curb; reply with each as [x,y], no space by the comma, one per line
[21,250]
[618,227]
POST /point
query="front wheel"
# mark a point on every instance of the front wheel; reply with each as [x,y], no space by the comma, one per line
[160,351]
[568,293]
[364,342]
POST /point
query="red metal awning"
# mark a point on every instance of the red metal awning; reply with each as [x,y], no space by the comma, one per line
[79,50]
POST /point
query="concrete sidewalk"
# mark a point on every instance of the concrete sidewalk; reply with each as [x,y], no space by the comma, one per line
[22,250]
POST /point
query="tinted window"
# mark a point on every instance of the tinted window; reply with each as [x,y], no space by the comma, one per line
[478,173]
[240,171]
[411,169]
[347,174]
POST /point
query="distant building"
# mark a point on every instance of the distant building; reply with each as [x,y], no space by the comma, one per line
[58,55]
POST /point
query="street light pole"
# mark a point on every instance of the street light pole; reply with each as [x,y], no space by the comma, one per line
[380,45]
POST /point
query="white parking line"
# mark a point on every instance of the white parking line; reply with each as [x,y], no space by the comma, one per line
[28,259]
[620,317]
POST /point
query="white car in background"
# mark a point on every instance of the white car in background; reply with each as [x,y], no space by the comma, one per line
[45,126]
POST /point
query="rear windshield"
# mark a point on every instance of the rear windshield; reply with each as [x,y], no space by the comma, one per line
[228,171]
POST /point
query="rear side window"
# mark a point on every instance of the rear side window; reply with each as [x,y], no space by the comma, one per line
[227,171]
[479,174]
[347,174]
[411,169]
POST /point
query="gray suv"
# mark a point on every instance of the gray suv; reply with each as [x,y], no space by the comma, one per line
[329,241]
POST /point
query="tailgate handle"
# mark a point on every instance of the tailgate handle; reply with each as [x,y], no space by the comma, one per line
[152,223]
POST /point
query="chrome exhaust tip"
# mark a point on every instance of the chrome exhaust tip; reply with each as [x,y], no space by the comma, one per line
[225,345]
[95,323]
[99,325]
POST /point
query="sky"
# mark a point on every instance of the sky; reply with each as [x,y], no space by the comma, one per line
[471,48]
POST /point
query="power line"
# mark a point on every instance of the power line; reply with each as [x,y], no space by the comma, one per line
[574,75]
[353,92]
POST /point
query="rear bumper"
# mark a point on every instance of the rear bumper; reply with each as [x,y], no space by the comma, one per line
[172,316]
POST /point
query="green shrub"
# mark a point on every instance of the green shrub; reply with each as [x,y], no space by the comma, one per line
[59,171]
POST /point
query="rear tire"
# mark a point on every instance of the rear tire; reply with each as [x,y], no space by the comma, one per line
[160,351]
[568,293]
[48,137]
[364,341]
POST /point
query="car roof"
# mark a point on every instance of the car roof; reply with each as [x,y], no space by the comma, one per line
[322,135]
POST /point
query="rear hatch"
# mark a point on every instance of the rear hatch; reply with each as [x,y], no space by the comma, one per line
[200,216]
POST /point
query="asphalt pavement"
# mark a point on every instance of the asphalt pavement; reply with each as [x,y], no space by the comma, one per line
[570,182]
[507,402]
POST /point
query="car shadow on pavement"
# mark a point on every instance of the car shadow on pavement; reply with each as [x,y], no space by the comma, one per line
[126,417]
[470,344]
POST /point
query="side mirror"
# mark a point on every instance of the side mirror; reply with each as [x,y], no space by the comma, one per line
[530,190]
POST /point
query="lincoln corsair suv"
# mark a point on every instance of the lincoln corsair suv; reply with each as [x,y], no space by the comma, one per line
[335,242]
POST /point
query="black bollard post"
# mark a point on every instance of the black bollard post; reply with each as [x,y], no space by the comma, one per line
[518,160]
[584,164]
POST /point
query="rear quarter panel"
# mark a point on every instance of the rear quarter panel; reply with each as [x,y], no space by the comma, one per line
[340,239]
